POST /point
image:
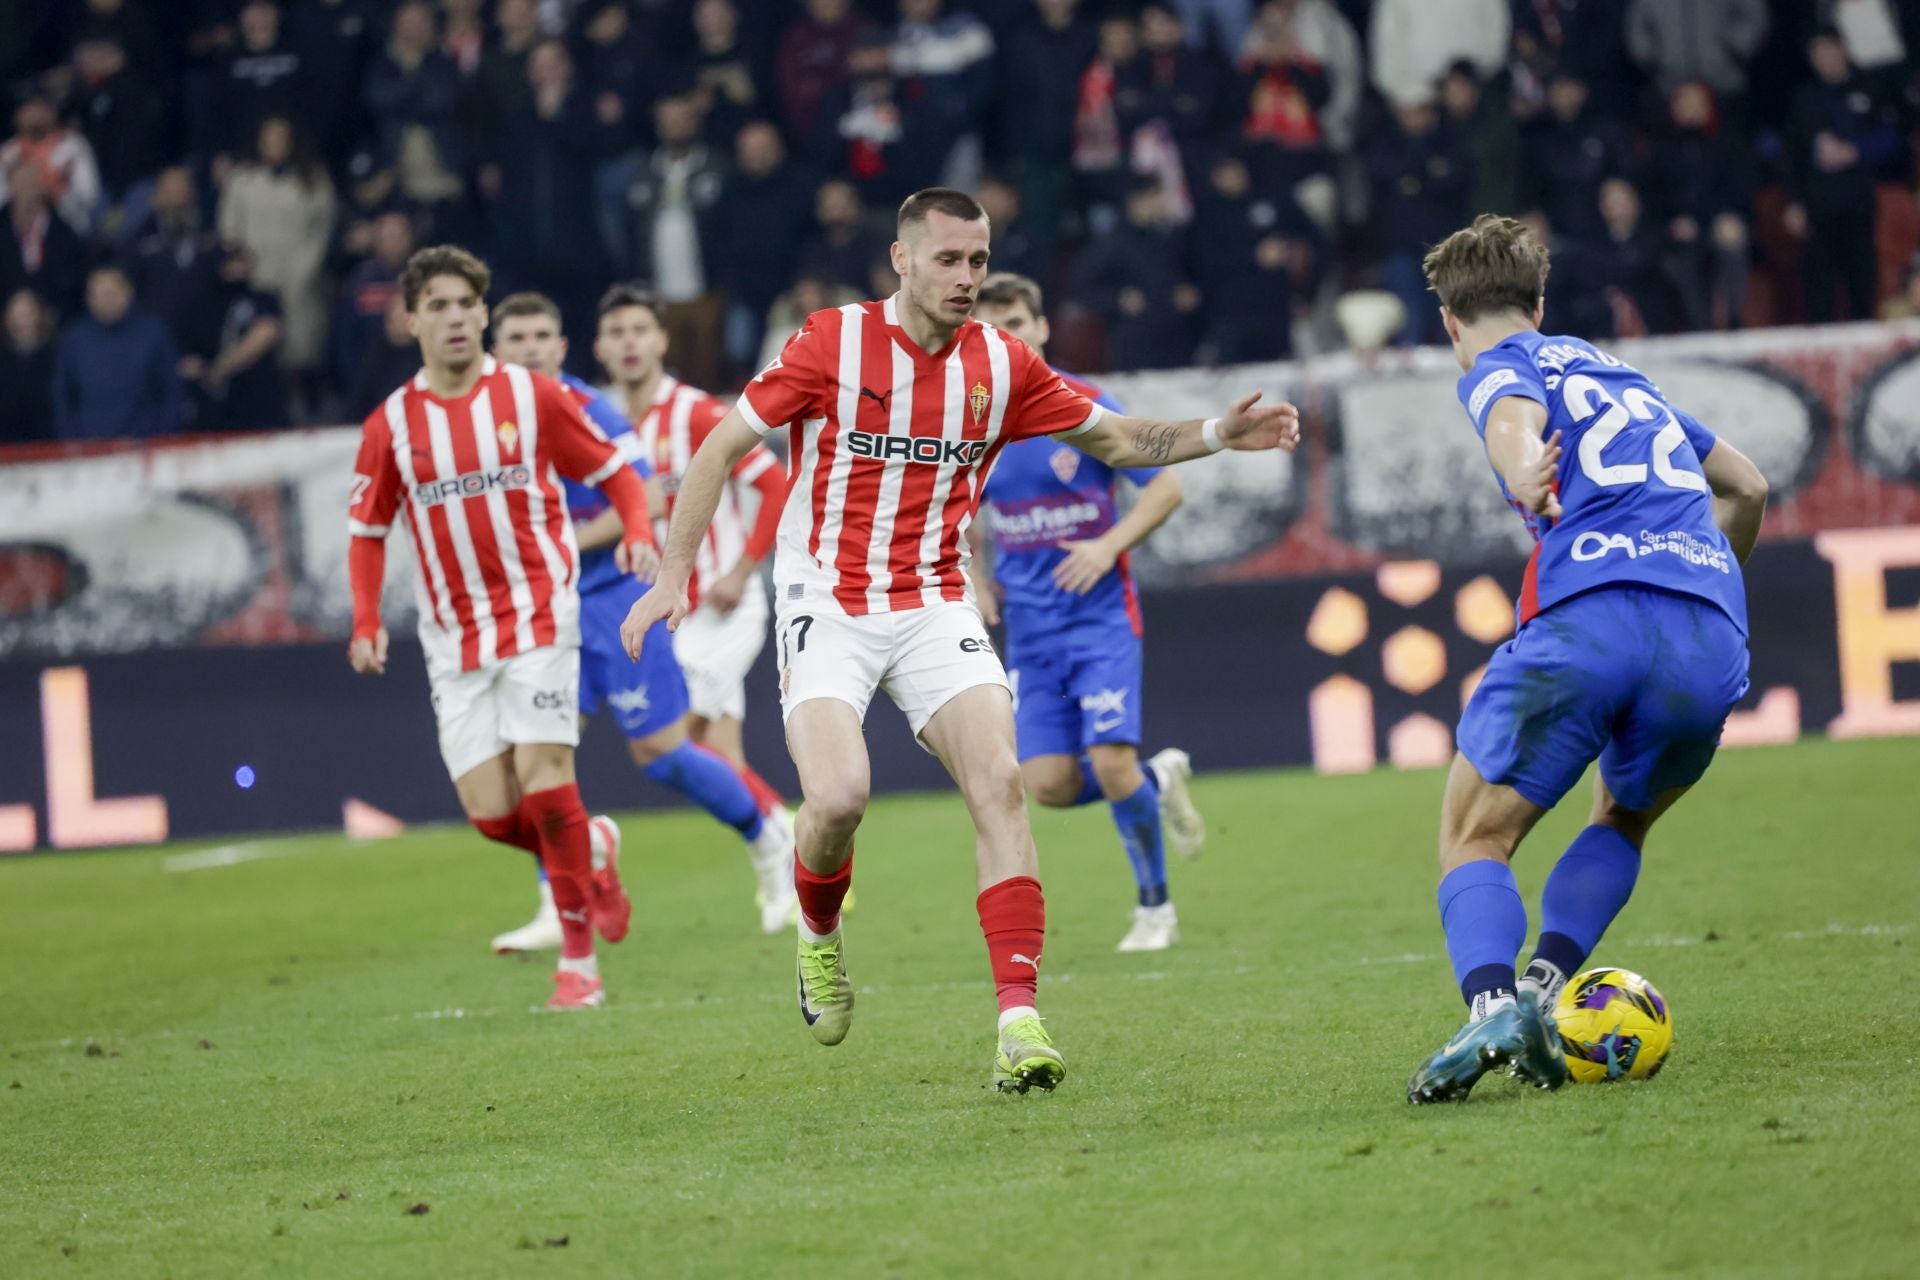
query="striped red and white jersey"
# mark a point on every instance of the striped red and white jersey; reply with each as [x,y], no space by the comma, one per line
[480,479]
[670,431]
[891,446]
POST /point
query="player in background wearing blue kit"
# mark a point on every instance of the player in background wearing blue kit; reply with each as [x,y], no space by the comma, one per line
[1631,647]
[648,698]
[1059,560]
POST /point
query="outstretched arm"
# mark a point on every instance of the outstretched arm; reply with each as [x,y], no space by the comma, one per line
[1121,441]
[1739,496]
[693,510]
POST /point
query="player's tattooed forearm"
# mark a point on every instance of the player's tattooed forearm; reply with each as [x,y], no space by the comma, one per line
[1155,440]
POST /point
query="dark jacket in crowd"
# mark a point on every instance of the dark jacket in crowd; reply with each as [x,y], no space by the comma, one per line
[762,225]
[116,381]
[26,394]
[1041,73]
[1563,164]
[1420,186]
[1152,261]
[1851,113]
[61,274]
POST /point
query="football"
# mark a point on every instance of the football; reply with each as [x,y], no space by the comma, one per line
[1614,1025]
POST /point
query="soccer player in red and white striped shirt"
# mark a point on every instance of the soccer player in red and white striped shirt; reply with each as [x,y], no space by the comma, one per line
[898,409]
[728,626]
[475,450]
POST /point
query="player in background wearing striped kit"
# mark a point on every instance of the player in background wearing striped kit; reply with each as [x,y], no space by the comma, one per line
[897,410]
[728,626]
[476,450]
[647,699]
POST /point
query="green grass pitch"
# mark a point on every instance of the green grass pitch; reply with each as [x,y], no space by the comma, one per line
[260,1069]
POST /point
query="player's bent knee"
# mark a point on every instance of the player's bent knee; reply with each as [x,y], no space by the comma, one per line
[996,784]
[1117,770]
[836,807]
[542,766]
[1052,781]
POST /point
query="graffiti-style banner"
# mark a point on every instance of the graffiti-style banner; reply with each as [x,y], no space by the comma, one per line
[243,541]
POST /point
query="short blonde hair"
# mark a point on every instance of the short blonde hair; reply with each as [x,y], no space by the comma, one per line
[1494,265]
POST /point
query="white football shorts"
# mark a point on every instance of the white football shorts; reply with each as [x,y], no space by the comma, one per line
[530,697]
[716,650]
[921,657]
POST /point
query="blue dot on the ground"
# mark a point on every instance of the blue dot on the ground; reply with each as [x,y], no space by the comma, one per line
[243,776]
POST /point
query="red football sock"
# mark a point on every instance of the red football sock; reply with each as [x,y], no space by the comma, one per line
[821,896]
[1013,915]
[566,850]
[513,830]
[764,795]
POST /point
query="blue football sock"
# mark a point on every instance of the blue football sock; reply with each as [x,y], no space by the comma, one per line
[1585,890]
[1089,785]
[711,783]
[1486,922]
[1138,817]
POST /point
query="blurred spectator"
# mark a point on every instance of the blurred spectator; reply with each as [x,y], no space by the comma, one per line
[767,210]
[619,69]
[1214,26]
[1871,30]
[813,61]
[887,141]
[1135,276]
[790,310]
[1675,41]
[386,363]
[1315,31]
[544,230]
[115,370]
[1838,136]
[128,25]
[943,60]
[174,251]
[38,250]
[1627,257]
[1164,97]
[1490,142]
[1413,42]
[227,345]
[1284,89]
[280,209]
[1420,181]
[26,370]
[1014,247]
[61,158]
[1039,76]
[335,38]
[413,93]
[501,82]
[360,314]
[843,249]
[1099,147]
[676,237]
[123,116]
[264,75]
[722,74]
[463,35]
[1579,37]
[1704,183]
[1567,155]
[1250,251]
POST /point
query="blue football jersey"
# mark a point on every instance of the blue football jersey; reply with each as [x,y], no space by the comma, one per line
[584,502]
[1044,493]
[1636,508]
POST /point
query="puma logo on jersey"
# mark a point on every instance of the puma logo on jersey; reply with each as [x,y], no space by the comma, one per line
[928,449]
[878,397]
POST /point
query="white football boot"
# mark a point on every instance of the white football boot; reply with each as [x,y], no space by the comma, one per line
[542,933]
[772,855]
[1154,929]
[1186,830]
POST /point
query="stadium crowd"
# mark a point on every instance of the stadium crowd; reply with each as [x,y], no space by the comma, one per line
[205,204]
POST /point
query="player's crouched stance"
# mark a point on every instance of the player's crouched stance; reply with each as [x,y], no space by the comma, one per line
[1631,648]
[897,409]
[476,450]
